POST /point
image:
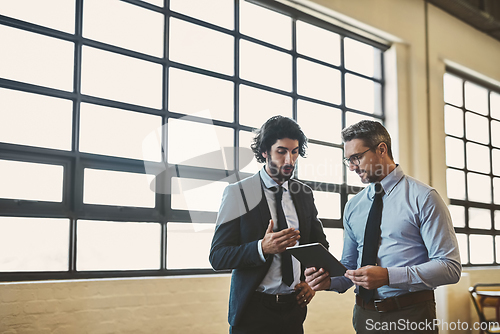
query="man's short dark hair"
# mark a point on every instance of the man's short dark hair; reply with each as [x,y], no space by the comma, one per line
[277,127]
[372,133]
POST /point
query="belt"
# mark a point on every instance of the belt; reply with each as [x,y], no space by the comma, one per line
[276,299]
[397,302]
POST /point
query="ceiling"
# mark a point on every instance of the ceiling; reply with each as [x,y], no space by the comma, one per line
[483,15]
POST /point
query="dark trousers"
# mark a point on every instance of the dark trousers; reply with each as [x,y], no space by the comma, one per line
[416,318]
[265,317]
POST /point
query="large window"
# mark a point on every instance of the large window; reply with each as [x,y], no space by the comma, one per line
[472,125]
[121,122]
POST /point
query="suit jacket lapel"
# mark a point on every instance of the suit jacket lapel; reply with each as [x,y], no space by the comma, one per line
[264,207]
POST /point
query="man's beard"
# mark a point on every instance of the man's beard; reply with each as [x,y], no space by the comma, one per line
[277,172]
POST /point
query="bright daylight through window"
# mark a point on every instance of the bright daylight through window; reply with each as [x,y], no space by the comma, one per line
[472,125]
[116,143]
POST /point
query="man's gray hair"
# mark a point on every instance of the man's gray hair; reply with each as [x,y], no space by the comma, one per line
[372,133]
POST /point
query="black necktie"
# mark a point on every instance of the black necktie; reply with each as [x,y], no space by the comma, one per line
[286,258]
[372,237]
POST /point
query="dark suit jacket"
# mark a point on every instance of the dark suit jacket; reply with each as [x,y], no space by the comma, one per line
[242,221]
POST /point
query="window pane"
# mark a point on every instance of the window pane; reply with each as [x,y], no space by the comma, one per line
[55,14]
[496,161]
[196,194]
[497,221]
[476,128]
[453,121]
[479,218]
[454,152]
[198,46]
[479,188]
[319,122]
[103,245]
[112,76]
[117,188]
[145,35]
[495,133]
[257,106]
[496,189]
[453,89]
[355,87]
[247,165]
[204,10]
[352,118]
[318,81]
[202,153]
[39,244]
[265,66]
[335,237]
[323,164]
[189,93]
[46,61]
[478,157]
[266,25]
[188,245]
[35,120]
[362,58]
[308,37]
[31,181]
[455,184]
[463,247]
[497,248]
[457,215]
[115,132]
[476,98]
[495,107]
[481,249]
[328,204]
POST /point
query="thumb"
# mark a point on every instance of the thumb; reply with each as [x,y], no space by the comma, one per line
[270,226]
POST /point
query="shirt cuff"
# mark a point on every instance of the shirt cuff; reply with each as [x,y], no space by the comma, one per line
[397,277]
[261,252]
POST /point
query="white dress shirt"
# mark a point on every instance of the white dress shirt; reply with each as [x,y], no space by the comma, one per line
[272,282]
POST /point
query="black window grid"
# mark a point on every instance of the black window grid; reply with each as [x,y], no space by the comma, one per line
[467,204]
[74,162]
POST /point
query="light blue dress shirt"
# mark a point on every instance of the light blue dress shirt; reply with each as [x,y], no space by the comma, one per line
[272,282]
[418,245]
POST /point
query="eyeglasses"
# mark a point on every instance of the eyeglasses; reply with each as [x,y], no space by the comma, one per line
[355,159]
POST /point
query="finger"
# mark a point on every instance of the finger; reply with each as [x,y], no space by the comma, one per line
[320,274]
[309,271]
[284,238]
[302,299]
[312,278]
[287,233]
[270,226]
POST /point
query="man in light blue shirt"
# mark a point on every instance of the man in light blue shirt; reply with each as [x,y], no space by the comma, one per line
[417,246]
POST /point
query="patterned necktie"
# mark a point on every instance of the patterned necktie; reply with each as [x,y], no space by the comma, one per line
[372,238]
[286,258]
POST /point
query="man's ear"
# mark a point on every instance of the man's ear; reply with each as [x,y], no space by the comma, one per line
[264,154]
[383,148]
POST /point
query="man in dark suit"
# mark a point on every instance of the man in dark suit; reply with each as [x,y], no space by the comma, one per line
[259,218]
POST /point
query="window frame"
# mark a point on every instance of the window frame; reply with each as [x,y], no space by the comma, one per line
[467,204]
[74,161]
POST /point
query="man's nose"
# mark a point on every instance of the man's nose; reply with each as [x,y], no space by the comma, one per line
[353,167]
[288,158]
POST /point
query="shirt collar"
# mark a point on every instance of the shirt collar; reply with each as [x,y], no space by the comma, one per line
[389,182]
[269,182]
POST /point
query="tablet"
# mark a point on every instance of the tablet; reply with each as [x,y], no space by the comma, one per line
[316,255]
